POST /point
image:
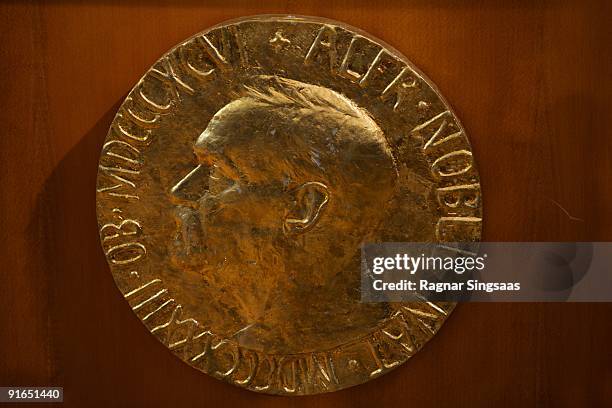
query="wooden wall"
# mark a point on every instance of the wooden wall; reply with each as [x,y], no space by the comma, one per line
[530,82]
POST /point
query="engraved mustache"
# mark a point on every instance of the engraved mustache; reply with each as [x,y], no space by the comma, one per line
[191,239]
[190,234]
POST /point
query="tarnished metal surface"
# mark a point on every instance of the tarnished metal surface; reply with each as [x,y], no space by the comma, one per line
[240,177]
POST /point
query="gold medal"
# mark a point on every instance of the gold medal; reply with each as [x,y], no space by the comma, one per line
[240,177]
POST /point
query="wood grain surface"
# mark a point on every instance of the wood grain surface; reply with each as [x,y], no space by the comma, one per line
[531,84]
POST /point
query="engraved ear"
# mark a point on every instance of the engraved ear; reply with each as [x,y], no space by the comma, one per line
[310,199]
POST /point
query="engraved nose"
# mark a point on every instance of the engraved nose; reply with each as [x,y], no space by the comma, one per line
[189,189]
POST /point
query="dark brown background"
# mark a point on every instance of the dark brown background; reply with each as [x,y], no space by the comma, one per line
[531,83]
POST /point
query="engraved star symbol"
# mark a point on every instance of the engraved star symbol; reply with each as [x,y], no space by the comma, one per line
[278,41]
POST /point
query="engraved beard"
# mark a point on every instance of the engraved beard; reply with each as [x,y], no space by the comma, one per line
[192,250]
[225,237]
[203,243]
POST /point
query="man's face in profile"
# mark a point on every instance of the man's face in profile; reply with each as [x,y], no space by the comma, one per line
[283,180]
[282,196]
[235,210]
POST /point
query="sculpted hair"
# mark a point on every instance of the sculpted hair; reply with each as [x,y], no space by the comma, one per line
[330,136]
[301,97]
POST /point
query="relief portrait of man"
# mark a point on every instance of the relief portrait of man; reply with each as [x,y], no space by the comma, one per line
[292,179]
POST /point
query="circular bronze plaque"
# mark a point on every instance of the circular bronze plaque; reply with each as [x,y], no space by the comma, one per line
[239,179]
